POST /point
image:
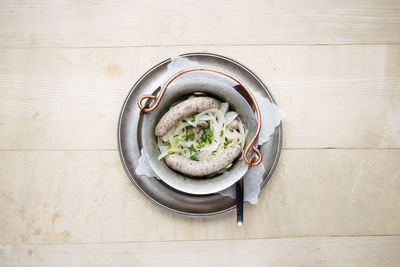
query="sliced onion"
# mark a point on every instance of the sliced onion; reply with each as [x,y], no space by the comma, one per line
[217,120]
[181,126]
[224,107]
[243,134]
[166,137]
[230,116]
[162,155]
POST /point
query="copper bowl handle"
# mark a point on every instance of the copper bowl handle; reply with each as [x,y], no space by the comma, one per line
[146,108]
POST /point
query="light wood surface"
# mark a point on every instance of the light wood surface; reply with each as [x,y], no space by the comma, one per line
[46,23]
[331,251]
[66,67]
[338,192]
[334,96]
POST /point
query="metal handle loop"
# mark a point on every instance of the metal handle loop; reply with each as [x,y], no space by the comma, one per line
[145,108]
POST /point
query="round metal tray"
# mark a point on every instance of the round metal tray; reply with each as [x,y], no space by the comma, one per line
[130,140]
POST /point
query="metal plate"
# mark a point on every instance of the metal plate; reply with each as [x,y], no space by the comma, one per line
[130,140]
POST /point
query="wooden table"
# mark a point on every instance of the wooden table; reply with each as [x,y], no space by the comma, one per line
[66,67]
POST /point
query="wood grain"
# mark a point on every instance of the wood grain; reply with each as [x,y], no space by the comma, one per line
[334,96]
[85,196]
[333,251]
[66,67]
[47,23]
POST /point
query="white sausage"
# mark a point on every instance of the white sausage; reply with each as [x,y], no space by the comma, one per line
[182,110]
[203,167]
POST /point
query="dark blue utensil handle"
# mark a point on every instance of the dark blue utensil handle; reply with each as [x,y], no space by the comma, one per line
[239,201]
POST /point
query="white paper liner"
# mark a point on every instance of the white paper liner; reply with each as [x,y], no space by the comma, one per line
[144,167]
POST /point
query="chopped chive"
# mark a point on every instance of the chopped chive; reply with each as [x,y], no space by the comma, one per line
[214,152]
[192,149]
[193,157]
[226,142]
[187,134]
[221,133]
[201,145]
[176,142]
[170,152]
[184,151]
[176,135]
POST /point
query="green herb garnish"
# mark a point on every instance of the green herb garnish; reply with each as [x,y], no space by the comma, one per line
[187,134]
[193,157]
[207,135]
[214,152]
[170,152]
[192,149]
[201,145]
[226,142]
